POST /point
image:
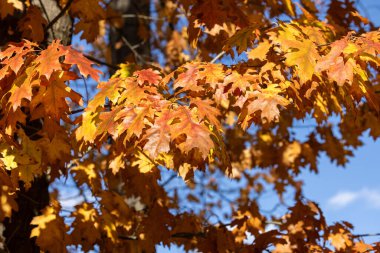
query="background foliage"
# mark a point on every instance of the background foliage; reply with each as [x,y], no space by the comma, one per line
[193,120]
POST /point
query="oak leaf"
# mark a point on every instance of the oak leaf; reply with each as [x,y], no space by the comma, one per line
[48,61]
[197,134]
[267,101]
[50,230]
[143,162]
[13,56]
[53,97]
[148,75]
[32,25]
[188,79]
[85,223]
[8,7]
[304,55]
[206,110]
[158,135]
[133,120]
[72,57]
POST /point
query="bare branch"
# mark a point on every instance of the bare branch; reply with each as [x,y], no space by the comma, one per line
[168,180]
[131,47]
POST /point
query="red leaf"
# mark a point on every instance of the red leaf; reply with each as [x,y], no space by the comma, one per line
[148,75]
[84,65]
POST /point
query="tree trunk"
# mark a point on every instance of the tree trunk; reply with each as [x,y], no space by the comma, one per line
[32,201]
[18,228]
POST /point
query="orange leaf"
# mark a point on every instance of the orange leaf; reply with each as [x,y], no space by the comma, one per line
[48,60]
[84,65]
[148,75]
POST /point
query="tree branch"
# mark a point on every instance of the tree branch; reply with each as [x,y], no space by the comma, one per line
[168,180]
[366,235]
[130,46]
[184,235]
[54,20]
[101,62]
[218,57]
[76,111]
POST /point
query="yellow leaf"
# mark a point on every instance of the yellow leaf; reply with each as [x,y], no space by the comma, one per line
[143,162]
[289,7]
[304,55]
[50,231]
[8,159]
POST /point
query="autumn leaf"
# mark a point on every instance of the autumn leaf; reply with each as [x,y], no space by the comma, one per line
[86,173]
[108,124]
[13,56]
[242,39]
[188,80]
[206,110]
[89,30]
[338,69]
[117,163]
[260,52]
[22,88]
[50,230]
[133,120]
[8,7]
[304,55]
[87,9]
[158,135]
[148,75]
[143,163]
[53,97]
[85,223]
[32,25]
[107,90]
[197,134]
[84,65]
[267,101]
[212,73]
[48,61]
[7,201]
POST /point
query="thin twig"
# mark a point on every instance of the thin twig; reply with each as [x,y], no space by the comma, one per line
[184,235]
[168,180]
[137,55]
[100,62]
[28,198]
[130,46]
[218,57]
[60,14]
[140,16]
[47,16]
[76,111]
[86,88]
[366,235]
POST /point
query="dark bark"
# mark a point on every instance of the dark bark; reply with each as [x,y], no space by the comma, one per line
[17,232]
